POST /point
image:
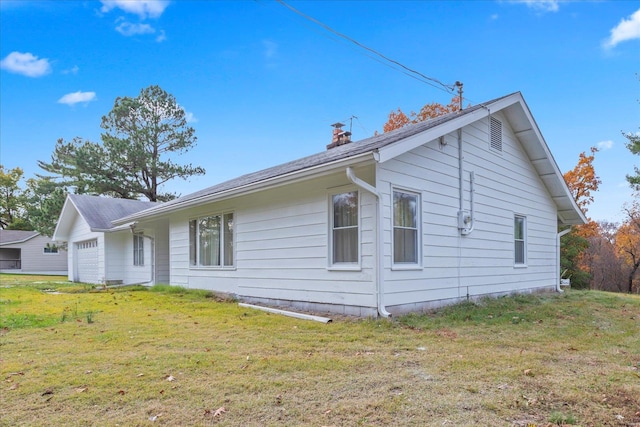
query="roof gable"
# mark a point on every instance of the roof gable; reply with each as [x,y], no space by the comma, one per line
[98,212]
[8,237]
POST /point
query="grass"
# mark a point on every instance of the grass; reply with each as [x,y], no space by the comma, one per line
[172,356]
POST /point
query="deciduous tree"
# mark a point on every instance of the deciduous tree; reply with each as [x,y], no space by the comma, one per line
[12,214]
[628,242]
[582,182]
[133,158]
[398,119]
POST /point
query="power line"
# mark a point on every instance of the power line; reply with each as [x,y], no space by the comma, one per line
[407,71]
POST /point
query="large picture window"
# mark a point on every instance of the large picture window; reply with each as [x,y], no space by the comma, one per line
[520,242]
[406,234]
[344,228]
[138,249]
[211,241]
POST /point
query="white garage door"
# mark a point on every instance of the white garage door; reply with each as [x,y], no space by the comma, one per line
[87,261]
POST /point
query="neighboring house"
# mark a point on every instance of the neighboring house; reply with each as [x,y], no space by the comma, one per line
[30,252]
[461,206]
[100,252]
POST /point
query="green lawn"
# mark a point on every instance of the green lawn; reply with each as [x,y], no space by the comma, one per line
[74,355]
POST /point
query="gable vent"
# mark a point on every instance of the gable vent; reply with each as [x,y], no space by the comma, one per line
[496,134]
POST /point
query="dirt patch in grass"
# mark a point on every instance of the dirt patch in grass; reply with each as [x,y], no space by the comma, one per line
[180,358]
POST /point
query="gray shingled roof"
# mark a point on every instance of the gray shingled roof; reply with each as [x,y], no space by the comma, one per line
[338,153]
[16,236]
[100,211]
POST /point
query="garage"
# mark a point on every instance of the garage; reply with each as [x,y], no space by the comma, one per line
[87,261]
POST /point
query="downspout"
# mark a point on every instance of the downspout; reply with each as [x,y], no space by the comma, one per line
[380,247]
[560,234]
[153,255]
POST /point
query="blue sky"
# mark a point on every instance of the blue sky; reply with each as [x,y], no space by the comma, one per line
[262,84]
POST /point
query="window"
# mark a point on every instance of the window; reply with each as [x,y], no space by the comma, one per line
[211,241]
[50,249]
[405,227]
[138,249]
[344,228]
[496,134]
[519,237]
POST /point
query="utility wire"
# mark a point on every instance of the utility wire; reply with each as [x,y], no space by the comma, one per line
[408,71]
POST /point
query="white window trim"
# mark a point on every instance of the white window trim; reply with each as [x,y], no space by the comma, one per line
[407,266]
[140,237]
[213,267]
[343,266]
[525,239]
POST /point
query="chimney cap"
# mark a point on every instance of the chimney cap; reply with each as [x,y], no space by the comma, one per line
[337,125]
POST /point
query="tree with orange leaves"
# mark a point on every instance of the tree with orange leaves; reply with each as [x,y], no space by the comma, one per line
[582,182]
[628,242]
[398,119]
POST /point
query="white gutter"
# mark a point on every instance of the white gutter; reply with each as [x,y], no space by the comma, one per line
[287,313]
[380,247]
[259,185]
[560,234]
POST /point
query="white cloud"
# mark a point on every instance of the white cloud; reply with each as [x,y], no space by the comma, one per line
[77,97]
[541,5]
[190,117]
[26,64]
[143,8]
[605,145]
[627,29]
[270,48]
[128,29]
[72,70]
[161,37]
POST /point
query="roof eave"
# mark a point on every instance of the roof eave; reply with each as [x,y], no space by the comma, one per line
[575,216]
[393,150]
[276,181]
[14,242]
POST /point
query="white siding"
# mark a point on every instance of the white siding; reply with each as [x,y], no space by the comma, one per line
[281,249]
[80,232]
[162,274]
[483,261]
[32,256]
[119,259]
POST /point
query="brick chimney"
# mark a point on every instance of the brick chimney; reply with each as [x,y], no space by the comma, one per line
[340,137]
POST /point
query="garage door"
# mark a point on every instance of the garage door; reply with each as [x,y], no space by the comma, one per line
[87,261]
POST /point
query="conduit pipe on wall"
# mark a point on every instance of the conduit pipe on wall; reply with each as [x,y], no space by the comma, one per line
[380,247]
[466,219]
[558,274]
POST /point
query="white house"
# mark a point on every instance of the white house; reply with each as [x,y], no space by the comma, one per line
[30,252]
[102,253]
[461,206]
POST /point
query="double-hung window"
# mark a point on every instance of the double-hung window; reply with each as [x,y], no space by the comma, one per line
[138,249]
[211,241]
[520,240]
[406,228]
[344,228]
